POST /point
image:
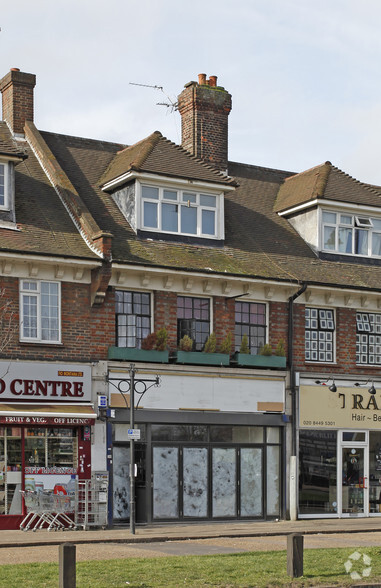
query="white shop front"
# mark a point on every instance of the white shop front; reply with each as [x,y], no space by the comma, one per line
[211,446]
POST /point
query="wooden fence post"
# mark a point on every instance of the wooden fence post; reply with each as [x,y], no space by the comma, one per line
[67,565]
[295,555]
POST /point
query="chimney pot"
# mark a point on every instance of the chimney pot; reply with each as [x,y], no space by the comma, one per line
[202,79]
[213,81]
[15,69]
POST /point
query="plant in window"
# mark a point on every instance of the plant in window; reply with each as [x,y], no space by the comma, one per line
[226,345]
[161,339]
[211,343]
[149,342]
[266,349]
[186,343]
[280,350]
[244,345]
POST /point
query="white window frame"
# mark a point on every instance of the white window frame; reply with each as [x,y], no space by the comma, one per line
[318,331]
[5,167]
[38,294]
[358,223]
[182,201]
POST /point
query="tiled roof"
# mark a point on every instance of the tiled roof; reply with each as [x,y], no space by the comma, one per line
[325,182]
[44,226]
[8,146]
[158,155]
[259,243]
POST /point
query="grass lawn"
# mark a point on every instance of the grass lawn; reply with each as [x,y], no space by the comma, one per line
[260,569]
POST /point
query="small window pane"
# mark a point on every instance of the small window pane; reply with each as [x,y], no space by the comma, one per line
[189,220]
[188,197]
[169,221]
[150,215]
[329,237]
[169,195]
[346,219]
[329,217]
[150,192]
[206,200]
[208,222]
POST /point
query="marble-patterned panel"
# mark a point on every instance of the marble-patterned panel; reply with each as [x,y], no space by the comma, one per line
[273,481]
[224,482]
[251,482]
[195,482]
[121,483]
[165,482]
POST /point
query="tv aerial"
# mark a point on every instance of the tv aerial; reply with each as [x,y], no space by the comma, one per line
[171,104]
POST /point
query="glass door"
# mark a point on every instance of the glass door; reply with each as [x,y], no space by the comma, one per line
[354,475]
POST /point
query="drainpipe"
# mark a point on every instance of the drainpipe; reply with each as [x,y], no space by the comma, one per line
[293,458]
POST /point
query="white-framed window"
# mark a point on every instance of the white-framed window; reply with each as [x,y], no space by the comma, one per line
[351,234]
[4,187]
[181,212]
[368,338]
[319,335]
[40,311]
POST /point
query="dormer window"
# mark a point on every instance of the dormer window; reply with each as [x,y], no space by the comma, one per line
[182,212]
[4,186]
[351,234]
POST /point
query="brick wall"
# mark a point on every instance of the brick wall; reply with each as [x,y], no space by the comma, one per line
[86,331]
[345,346]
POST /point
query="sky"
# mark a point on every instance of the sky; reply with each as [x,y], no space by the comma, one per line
[305,76]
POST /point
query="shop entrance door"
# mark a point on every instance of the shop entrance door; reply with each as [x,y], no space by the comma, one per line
[353,464]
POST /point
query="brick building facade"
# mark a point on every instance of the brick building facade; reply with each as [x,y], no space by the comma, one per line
[103,244]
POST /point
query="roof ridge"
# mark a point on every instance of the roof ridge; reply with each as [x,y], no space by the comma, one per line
[208,166]
[368,187]
[151,142]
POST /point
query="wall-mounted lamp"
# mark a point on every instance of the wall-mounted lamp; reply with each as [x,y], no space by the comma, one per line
[332,387]
[371,390]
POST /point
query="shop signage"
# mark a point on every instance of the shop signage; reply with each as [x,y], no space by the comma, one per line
[38,421]
[319,408]
[44,382]
[133,434]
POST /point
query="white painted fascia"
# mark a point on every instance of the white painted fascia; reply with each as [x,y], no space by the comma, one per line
[163,180]
[331,204]
[25,257]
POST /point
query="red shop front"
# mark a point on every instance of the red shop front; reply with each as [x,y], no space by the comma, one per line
[43,445]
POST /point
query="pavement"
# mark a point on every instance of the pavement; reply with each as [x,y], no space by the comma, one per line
[184,532]
[187,539]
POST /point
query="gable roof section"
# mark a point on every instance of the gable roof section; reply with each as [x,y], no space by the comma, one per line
[324,182]
[158,155]
[43,225]
[8,146]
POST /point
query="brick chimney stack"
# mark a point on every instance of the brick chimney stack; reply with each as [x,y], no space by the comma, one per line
[17,93]
[204,108]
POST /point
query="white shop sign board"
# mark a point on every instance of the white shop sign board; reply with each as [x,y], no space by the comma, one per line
[44,382]
[211,392]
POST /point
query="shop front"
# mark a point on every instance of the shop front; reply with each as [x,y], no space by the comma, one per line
[45,431]
[210,448]
[339,451]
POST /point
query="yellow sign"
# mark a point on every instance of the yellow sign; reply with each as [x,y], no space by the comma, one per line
[348,408]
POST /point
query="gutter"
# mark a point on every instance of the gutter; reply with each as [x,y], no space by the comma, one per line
[291,360]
